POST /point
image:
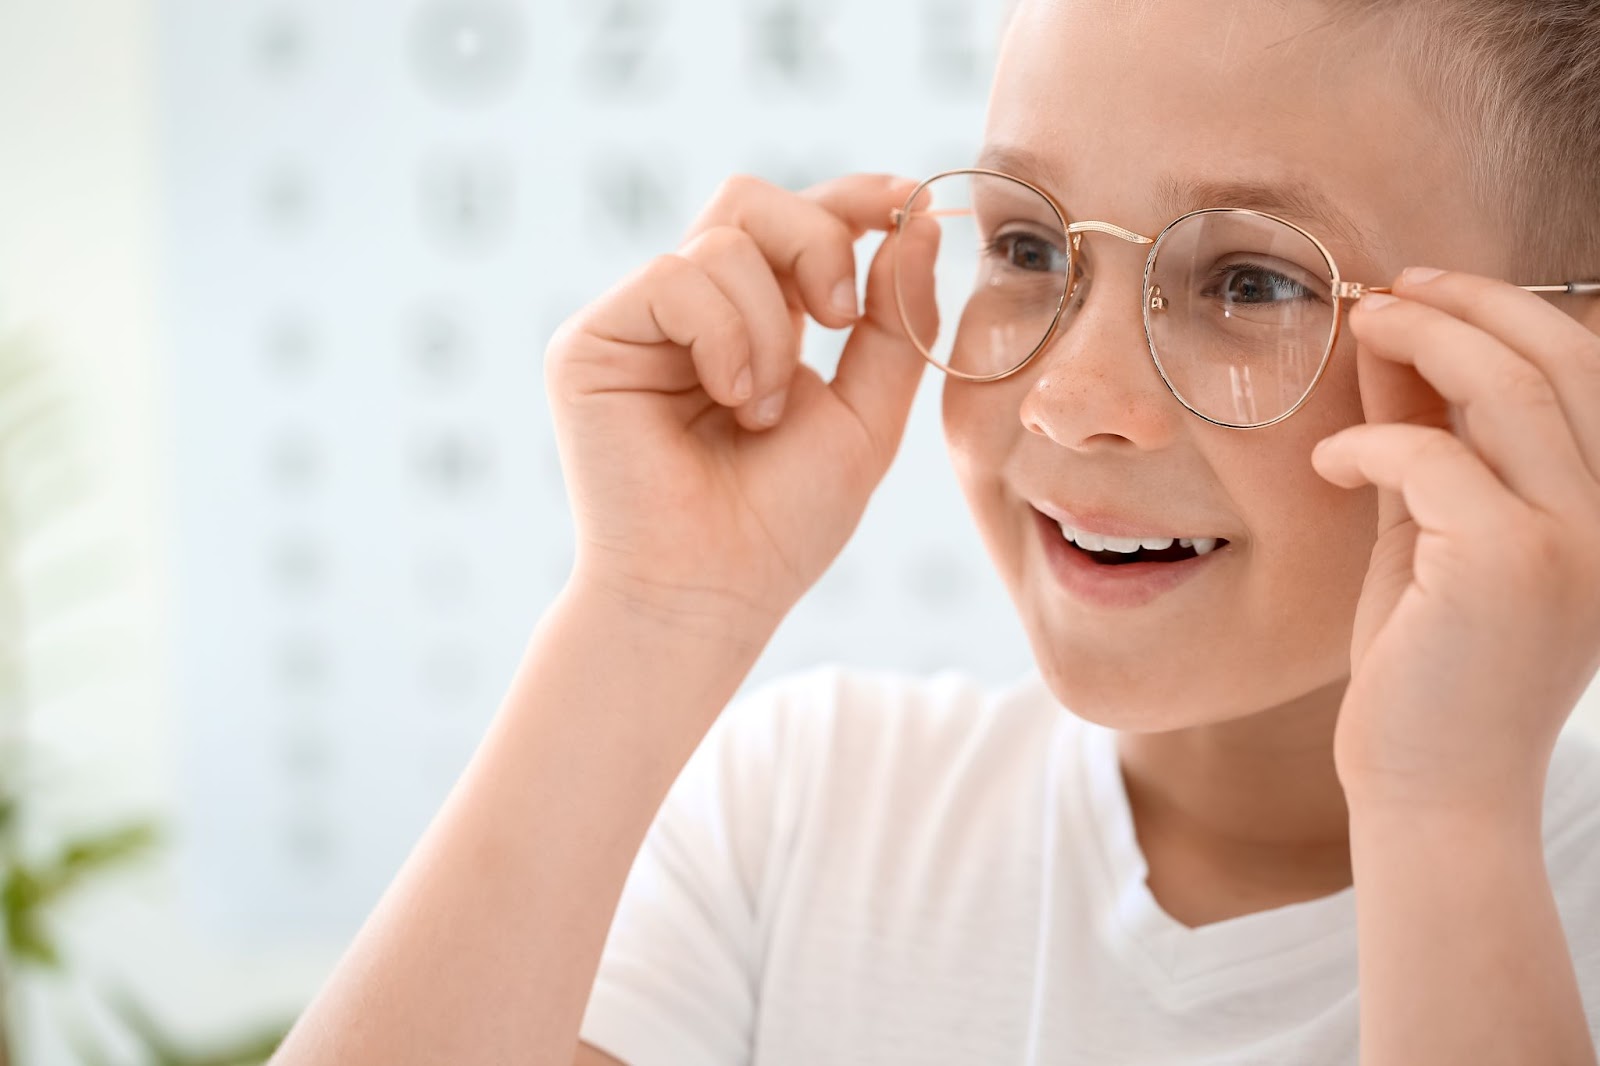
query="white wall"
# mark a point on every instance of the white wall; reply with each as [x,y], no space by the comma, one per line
[79,271]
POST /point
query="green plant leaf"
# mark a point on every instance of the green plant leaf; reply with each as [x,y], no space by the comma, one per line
[26,938]
[112,847]
[27,891]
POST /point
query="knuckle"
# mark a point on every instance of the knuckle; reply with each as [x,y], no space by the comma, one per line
[1539,541]
[724,330]
[828,231]
[718,322]
[718,243]
[831,228]
[669,268]
[738,187]
[1539,550]
[1440,447]
[1523,385]
[1548,562]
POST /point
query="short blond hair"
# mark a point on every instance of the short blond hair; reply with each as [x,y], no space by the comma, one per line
[1517,84]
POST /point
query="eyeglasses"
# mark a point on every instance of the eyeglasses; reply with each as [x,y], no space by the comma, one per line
[1242,309]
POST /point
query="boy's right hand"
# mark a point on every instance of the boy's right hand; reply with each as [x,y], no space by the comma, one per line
[686,501]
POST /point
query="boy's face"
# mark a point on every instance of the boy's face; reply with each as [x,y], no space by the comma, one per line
[1110,97]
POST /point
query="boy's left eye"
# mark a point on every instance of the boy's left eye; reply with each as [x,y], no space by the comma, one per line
[1249,283]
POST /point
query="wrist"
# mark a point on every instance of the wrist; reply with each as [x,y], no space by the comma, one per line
[686,651]
[1450,823]
[672,611]
[641,684]
[1448,787]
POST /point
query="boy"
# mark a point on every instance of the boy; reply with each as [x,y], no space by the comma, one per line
[1318,760]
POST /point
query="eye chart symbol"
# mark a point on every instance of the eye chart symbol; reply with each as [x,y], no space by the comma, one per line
[789,43]
[467,200]
[622,59]
[636,197]
[468,51]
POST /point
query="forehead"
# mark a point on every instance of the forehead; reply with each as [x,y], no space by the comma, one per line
[1135,110]
[1173,193]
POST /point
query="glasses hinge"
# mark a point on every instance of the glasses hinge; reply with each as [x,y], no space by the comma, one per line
[1349,290]
[1158,302]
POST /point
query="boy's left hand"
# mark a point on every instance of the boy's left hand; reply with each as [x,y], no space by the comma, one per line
[1478,626]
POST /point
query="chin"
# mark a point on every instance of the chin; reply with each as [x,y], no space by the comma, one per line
[1123,692]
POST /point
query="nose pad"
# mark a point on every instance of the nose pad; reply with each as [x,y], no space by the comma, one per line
[1096,377]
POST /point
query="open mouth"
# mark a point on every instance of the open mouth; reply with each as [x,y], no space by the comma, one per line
[1116,580]
[1175,554]
[1177,550]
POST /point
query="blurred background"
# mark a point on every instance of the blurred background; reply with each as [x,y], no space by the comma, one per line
[280,495]
[280,492]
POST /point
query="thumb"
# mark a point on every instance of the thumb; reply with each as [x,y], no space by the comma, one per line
[880,367]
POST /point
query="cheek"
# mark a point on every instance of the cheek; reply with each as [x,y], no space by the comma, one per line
[1312,538]
[979,426]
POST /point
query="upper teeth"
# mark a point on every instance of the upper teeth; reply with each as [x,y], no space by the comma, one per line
[1094,542]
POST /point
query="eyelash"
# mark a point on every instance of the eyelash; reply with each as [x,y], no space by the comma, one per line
[999,246]
[1221,273]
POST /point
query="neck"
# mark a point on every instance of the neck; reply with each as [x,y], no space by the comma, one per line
[1258,793]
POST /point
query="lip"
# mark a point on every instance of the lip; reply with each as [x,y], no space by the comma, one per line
[1110,525]
[1123,586]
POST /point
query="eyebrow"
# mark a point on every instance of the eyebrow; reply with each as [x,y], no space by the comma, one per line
[1297,201]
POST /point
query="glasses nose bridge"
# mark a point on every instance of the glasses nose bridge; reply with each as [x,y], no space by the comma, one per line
[1075,230]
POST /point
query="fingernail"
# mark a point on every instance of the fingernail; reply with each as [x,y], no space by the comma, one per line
[844,298]
[768,410]
[1419,275]
[743,386]
[1377,301]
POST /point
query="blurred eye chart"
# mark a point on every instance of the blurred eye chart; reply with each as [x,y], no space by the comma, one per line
[375,214]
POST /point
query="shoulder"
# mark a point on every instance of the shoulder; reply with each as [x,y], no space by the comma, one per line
[855,753]
[858,717]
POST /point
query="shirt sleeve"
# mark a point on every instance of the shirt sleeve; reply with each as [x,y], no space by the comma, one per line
[678,976]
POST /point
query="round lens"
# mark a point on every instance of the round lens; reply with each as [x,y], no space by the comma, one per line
[1240,314]
[1000,276]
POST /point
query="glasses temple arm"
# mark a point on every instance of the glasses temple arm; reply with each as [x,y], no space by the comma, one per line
[1570,288]
[1354,290]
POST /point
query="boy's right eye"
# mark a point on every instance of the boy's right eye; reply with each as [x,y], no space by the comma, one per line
[1025,251]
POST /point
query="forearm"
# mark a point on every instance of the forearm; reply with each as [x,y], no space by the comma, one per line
[1462,953]
[485,947]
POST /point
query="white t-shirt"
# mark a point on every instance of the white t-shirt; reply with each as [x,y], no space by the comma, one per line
[857,868]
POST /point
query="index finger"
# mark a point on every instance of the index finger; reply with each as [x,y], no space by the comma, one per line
[811,237]
[1560,346]
[859,200]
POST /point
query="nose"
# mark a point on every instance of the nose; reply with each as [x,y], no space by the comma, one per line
[1095,385]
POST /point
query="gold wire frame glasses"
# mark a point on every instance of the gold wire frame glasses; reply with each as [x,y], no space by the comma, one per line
[1224,353]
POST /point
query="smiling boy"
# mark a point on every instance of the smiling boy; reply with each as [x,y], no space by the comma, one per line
[1307,801]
